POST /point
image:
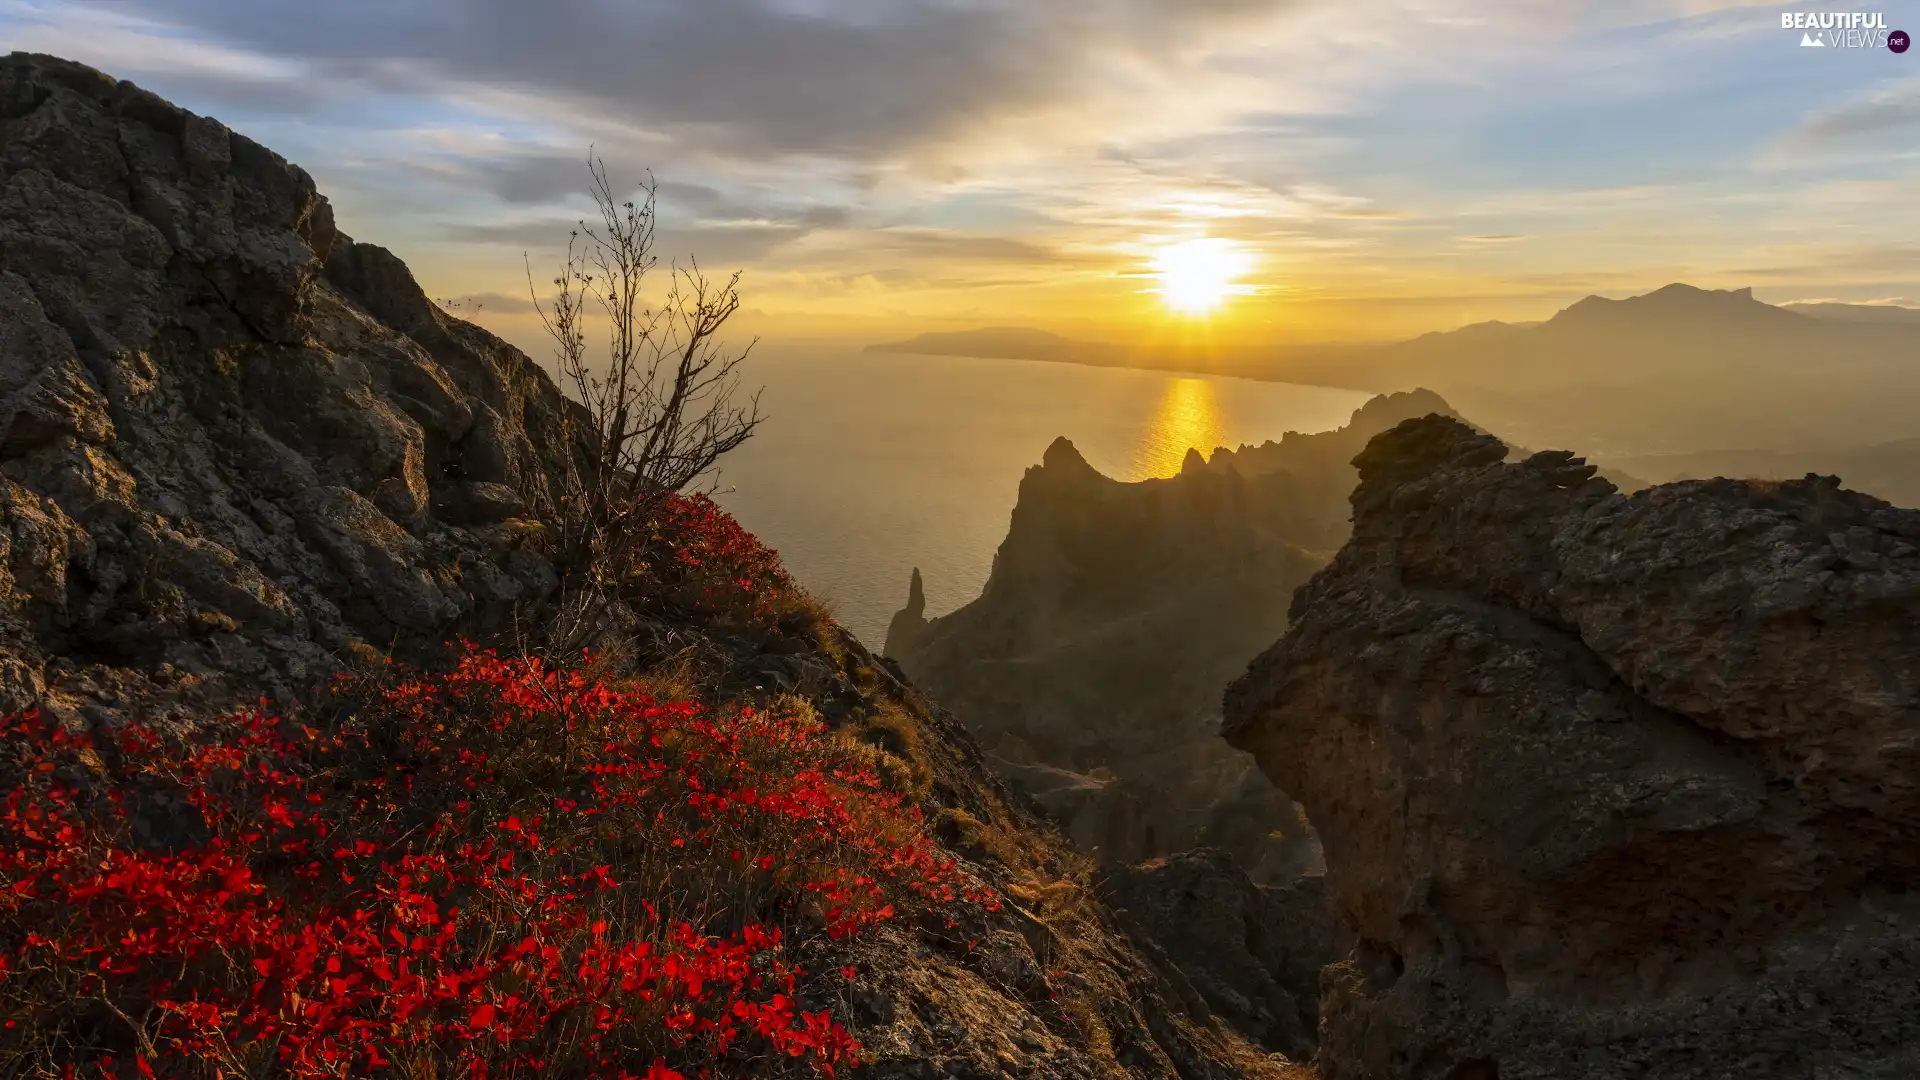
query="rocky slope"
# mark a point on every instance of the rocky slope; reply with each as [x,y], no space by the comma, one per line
[1609,786]
[1090,665]
[239,450]
[1254,952]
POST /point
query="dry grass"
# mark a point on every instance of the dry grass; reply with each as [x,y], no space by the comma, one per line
[959,829]
[362,656]
[893,730]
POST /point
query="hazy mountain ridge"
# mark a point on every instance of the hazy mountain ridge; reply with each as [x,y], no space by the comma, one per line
[1676,370]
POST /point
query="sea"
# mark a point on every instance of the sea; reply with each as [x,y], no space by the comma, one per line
[868,465]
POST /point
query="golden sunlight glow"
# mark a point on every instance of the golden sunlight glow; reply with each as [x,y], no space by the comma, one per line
[1196,276]
[1188,418]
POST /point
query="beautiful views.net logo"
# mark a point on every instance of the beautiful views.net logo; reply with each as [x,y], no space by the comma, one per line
[1844,30]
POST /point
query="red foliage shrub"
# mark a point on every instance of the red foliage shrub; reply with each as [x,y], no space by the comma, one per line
[504,870]
[713,565]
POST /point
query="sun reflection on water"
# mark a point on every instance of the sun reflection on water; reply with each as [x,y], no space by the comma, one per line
[1188,417]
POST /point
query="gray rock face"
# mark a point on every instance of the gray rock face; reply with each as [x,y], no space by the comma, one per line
[1253,952]
[1608,786]
[232,440]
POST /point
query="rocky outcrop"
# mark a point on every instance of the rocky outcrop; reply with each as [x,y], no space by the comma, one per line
[1608,786]
[1091,664]
[237,444]
[909,624]
[1253,952]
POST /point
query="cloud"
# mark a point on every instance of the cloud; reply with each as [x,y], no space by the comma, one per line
[714,246]
[1898,261]
[1883,111]
[950,245]
[855,79]
[1885,301]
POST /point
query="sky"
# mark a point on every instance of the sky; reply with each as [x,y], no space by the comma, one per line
[886,167]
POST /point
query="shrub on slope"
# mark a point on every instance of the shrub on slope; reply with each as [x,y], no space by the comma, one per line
[503,869]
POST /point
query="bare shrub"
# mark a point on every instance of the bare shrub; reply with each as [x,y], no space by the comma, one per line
[656,413]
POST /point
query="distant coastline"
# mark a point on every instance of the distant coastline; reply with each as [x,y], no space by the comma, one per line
[1614,378]
[1317,365]
[1007,343]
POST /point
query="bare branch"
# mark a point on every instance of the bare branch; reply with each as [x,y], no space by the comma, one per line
[660,411]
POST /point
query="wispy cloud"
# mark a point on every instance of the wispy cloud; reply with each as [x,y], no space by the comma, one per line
[1884,110]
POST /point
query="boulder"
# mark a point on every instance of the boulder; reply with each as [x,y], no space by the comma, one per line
[1608,787]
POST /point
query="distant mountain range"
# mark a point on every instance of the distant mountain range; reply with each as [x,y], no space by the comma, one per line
[1676,370]
[1680,370]
[1008,343]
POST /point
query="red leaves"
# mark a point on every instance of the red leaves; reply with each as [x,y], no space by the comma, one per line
[392,881]
[731,570]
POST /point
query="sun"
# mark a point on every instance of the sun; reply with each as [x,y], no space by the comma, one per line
[1197,276]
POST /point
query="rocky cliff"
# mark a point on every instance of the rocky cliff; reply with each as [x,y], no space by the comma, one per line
[1608,786]
[1090,665]
[239,451]
[236,442]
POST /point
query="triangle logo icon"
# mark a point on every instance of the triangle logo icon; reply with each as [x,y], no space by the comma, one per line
[1809,41]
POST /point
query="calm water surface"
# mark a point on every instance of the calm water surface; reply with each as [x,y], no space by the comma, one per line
[870,465]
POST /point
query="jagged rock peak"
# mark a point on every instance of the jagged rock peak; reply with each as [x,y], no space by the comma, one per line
[908,627]
[1194,462]
[1064,457]
[1609,786]
[916,594]
[1400,405]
